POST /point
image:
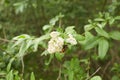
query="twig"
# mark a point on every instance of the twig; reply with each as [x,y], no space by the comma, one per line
[22,61]
[4,33]
[106,68]
[60,23]
[94,73]
[4,40]
[59,76]
[65,76]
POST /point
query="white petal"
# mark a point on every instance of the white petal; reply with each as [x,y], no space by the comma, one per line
[71,40]
[54,34]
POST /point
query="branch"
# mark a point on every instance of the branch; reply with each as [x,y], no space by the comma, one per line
[59,76]
[4,40]
[22,61]
[106,68]
[4,33]
[94,73]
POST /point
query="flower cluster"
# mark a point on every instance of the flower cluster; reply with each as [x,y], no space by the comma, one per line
[71,40]
[56,42]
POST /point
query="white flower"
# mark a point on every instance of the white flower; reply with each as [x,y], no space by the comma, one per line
[55,44]
[54,34]
[71,40]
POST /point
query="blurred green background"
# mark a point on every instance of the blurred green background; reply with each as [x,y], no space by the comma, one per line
[29,16]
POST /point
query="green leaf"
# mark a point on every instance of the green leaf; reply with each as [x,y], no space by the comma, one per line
[99,19]
[100,25]
[20,6]
[96,78]
[115,77]
[107,16]
[22,50]
[59,29]
[9,65]
[23,36]
[46,27]
[20,39]
[101,32]
[54,20]
[115,35]
[50,59]
[18,42]
[79,37]
[88,36]
[70,30]
[102,48]
[32,77]
[59,56]
[90,43]
[111,21]
[10,75]
[70,75]
[88,27]
[45,53]
[117,17]
[104,23]
[38,40]
[16,75]
[29,43]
